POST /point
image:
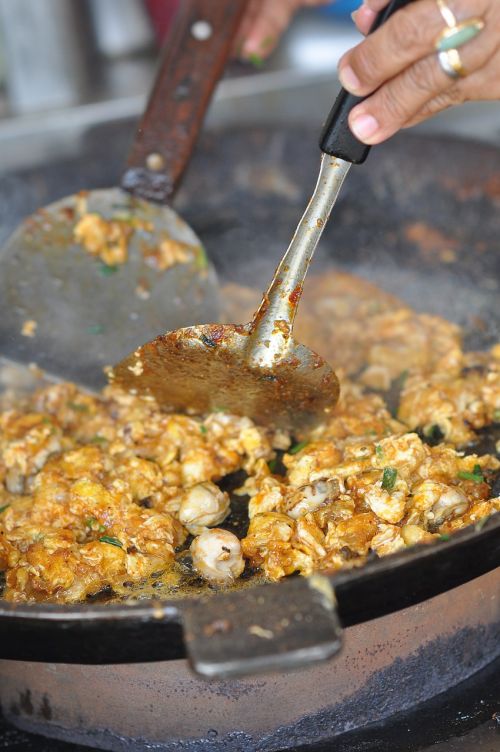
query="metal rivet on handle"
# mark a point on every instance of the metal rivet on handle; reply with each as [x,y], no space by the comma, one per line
[201,30]
[155,162]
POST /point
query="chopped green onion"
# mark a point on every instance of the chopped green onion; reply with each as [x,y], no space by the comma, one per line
[379,451]
[256,60]
[105,270]
[121,207]
[78,407]
[91,521]
[95,329]
[122,217]
[476,475]
[201,259]
[444,537]
[389,478]
[111,541]
[5,506]
[298,447]
[97,439]
[272,464]
[203,429]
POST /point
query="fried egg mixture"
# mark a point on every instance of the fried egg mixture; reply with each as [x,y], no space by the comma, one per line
[105,494]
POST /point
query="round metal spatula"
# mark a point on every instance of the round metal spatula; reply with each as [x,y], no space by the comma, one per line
[258,369]
[71,314]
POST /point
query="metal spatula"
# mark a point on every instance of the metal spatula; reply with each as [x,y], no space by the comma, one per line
[73,315]
[258,369]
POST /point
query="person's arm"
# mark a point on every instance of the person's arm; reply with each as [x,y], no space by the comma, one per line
[398,65]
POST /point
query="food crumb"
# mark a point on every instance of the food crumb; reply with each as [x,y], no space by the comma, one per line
[29,328]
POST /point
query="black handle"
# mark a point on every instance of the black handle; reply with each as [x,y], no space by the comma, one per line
[337,138]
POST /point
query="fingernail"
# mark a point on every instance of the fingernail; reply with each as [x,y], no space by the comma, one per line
[349,79]
[364,126]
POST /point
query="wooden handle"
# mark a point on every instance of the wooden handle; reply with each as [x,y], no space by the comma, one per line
[192,61]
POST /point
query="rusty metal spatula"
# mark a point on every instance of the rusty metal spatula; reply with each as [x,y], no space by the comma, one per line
[63,309]
[258,369]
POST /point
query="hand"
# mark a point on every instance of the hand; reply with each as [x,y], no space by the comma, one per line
[263,24]
[398,67]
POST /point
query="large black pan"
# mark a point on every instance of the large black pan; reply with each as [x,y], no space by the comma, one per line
[243,195]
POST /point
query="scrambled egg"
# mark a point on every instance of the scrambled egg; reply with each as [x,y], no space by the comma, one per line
[97,493]
[109,239]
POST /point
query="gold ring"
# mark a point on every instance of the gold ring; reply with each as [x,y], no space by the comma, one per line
[451,64]
[456,34]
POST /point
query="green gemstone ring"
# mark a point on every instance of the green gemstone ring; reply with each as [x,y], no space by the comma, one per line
[456,34]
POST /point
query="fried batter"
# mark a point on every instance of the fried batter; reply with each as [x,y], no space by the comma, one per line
[100,492]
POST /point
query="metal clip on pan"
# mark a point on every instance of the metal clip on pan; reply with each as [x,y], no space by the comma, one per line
[265,628]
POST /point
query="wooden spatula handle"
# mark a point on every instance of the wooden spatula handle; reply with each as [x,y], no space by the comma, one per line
[193,59]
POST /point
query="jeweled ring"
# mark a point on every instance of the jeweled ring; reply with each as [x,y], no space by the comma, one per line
[451,64]
[456,34]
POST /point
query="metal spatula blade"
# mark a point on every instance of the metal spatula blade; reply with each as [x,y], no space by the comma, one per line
[83,314]
[60,308]
[257,369]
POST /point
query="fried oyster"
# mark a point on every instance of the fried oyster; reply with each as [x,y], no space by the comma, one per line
[101,492]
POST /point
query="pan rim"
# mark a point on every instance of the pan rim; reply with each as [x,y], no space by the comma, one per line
[170,610]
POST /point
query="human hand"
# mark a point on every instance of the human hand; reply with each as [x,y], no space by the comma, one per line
[263,24]
[397,66]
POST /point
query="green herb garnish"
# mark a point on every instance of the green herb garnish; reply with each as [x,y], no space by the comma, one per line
[111,541]
[78,407]
[95,329]
[97,439]
[203,429]
[403,376]
[389,478]
[201,259]
[122,217]
[272,464]
[476,475]
[298,447]
[379,451]
[105,270]
[256,60]
[444,537]
[496,416]
[5,506]
[92,522]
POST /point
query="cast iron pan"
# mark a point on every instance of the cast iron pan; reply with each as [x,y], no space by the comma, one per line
[243,195]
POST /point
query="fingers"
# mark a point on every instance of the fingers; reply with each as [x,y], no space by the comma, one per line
[403,97]
[364,18]
[366,14]
[409,35]
[263,25]
[484,85]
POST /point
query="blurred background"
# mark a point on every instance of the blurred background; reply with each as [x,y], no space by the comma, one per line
[67,66]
